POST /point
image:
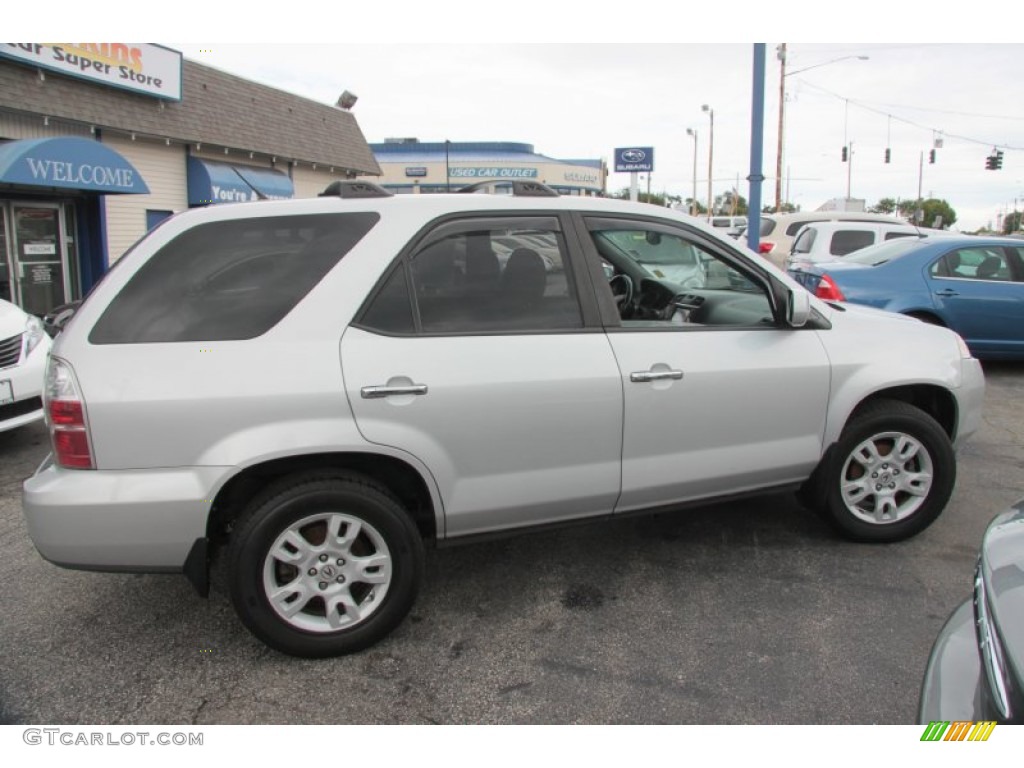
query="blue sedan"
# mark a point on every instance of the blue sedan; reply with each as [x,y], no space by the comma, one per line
[973,285]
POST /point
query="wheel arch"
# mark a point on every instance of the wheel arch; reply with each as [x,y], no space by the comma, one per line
[937,401]
[929,316]
[401,478]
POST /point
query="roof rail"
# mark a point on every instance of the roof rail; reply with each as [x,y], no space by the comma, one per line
[519,188]
[354,189]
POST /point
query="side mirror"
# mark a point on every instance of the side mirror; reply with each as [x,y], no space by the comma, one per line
[798,308]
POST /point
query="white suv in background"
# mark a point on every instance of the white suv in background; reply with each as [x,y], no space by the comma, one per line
[829,240]
[303,394]
[778,230]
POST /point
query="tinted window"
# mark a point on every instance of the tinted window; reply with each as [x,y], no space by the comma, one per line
[498,278]
[895,235]
[391,309]
[767,227]
[973,264]
[846,241]
[795,227]
[229,279]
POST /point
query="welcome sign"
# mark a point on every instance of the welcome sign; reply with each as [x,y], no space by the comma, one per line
[140,67]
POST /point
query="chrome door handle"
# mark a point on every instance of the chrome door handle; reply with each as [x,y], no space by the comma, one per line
[369,393]
[946,292]
[642,376]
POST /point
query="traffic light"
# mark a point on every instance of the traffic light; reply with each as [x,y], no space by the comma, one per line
[888,155]
[844,154]
[931,157]
[994,162]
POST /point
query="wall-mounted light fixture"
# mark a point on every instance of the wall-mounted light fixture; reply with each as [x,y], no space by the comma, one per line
[347,100]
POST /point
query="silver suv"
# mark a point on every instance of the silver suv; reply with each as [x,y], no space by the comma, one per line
[300,395]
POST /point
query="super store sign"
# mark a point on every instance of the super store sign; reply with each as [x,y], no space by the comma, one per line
[142,67]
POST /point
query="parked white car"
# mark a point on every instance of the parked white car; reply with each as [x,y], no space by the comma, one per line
[305,393]
[23,349]
[778,230]
[830,240]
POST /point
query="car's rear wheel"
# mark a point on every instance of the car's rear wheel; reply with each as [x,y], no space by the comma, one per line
[324,564]
[891,473]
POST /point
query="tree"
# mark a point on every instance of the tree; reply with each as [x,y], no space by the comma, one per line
[886,205]
[932,209]
[1012,223]
[784,208]
[654,198]
[727,201]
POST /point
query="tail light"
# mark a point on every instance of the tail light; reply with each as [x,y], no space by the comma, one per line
[65,416]
[827,289]
[764,247]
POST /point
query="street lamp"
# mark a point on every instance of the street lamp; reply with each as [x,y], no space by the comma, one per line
[782,110]
[693,199]
[711,152]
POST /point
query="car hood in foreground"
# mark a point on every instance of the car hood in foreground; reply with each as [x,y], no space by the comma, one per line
[1002,562]
[12,320]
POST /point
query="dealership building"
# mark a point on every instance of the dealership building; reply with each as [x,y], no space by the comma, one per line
[413,166]
[101,142]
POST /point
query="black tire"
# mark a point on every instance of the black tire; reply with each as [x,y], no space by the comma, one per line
[926,317]
[343,596]
[901,494]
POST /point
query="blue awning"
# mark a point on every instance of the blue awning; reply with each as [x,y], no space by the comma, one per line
[68,163]
[210,182]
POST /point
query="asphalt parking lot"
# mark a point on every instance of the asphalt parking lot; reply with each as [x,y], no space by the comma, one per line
[751,612]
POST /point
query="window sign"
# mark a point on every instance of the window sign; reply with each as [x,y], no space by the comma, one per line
[492,172]
[141,67]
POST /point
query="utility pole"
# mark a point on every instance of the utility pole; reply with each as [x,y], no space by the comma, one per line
[782,108]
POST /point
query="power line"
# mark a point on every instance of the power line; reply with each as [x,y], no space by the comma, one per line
[868,108]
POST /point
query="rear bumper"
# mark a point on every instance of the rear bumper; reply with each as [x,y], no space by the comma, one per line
[128,520]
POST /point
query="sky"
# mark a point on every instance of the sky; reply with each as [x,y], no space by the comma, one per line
[577,80]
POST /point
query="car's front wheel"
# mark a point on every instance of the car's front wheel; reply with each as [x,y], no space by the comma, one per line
[891,473]
[324,564]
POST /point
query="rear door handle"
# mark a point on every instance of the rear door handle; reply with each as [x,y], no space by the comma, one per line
[370,393]
[642,376]
[946,292]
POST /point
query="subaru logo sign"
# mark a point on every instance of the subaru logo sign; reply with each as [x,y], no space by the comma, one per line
[633,159]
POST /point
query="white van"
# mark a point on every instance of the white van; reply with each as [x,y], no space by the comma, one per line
[779,229]
[828,240]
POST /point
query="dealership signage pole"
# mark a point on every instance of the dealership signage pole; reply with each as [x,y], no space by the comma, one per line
[634,160]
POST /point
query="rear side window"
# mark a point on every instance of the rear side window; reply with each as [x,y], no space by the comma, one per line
[804,241]
[767,227]
[846,241]
[229,280]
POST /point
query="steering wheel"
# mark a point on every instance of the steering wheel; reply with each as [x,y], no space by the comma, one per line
[622,290]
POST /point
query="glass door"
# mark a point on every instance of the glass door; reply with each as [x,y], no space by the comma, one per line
[6,289]
[38,262]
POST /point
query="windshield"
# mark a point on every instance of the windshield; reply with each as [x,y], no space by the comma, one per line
[876,255]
